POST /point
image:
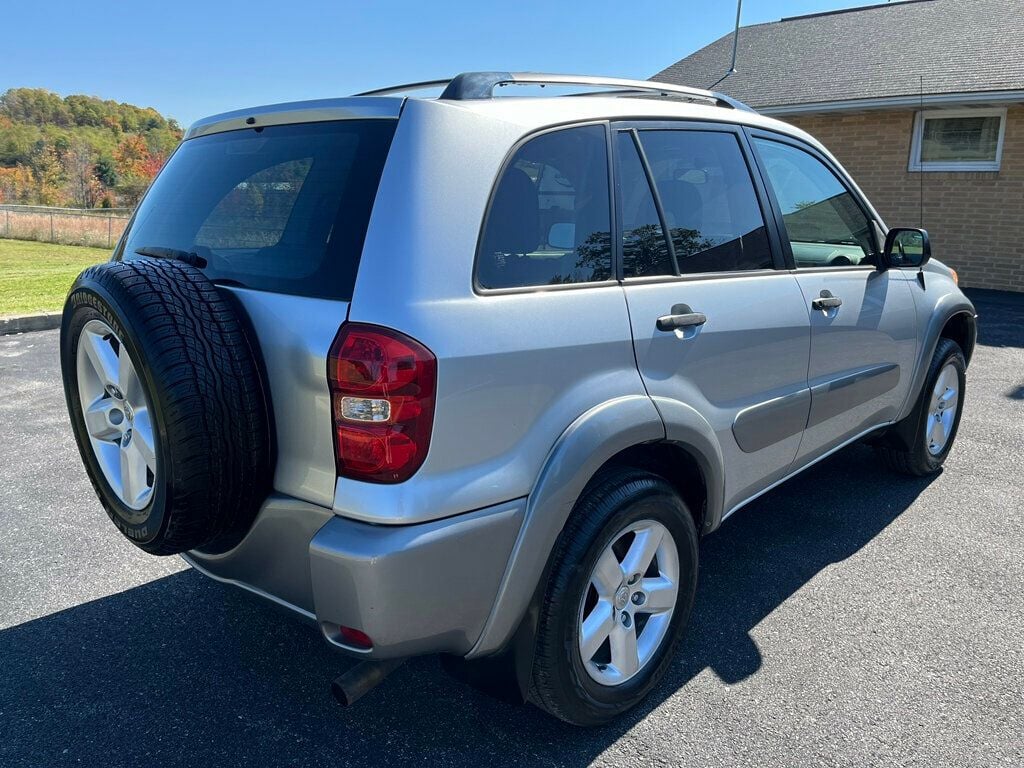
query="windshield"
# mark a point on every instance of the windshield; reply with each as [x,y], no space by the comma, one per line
[282,208]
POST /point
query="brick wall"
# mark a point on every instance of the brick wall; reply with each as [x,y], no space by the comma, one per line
[975,219]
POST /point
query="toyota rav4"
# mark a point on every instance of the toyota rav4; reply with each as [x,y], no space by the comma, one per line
[472,375]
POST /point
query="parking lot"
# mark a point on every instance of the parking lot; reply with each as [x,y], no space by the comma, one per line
[850,617]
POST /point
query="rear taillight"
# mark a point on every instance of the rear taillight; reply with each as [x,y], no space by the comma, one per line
[382,392]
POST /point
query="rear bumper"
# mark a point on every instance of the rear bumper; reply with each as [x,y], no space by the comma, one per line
[414,589]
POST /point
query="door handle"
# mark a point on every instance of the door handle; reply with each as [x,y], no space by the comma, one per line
[826,301]
[682,317]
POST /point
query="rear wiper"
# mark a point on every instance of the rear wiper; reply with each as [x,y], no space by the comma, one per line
[157,252]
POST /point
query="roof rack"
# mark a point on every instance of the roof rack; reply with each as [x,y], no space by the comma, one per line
[393,89]
[481,85]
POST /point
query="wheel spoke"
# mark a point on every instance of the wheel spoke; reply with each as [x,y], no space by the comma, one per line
[97,420]
[596,628]
[127,378]
[142,436]
[661,595]
[607,574]
[101,356]
[948,399]
[133,472]
[641,551]
[625,657]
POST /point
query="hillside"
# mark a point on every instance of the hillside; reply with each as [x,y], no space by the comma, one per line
[79,151]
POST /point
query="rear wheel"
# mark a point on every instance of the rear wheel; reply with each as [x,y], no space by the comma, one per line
[618,598]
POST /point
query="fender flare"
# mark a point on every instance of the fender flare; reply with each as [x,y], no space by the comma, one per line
[946,308]
[685,427]
[586,445]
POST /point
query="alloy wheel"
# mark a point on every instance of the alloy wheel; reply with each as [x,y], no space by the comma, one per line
[627,606]
[118,416]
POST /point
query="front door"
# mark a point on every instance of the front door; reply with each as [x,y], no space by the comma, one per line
[717,324]
[863,323]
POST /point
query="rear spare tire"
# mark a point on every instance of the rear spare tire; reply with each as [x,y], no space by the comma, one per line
[166,403]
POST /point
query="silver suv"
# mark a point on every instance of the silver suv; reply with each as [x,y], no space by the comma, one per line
[473,376]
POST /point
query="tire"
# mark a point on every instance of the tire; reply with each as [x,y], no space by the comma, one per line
[204,435]
[560,681]
[906,449]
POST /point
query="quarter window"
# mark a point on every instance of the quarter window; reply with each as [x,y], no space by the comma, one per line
[550,219]
[824,223]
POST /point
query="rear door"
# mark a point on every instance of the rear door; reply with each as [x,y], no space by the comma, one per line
[863,323]
[738,353]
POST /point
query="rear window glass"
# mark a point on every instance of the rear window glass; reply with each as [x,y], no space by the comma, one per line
[282,209]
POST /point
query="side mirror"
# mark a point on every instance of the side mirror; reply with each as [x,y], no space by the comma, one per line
[906,247]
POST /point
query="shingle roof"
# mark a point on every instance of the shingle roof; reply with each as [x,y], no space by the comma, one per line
[958,46]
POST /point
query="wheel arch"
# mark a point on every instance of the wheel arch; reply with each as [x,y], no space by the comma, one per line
[953,317]
[628,431]
[962,328]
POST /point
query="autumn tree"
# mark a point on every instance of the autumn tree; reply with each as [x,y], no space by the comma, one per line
[47,173]
[131,155]
[56,150]
[16,185]
[83,187]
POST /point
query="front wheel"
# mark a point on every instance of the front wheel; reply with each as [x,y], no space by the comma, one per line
[920,443]
[618,599]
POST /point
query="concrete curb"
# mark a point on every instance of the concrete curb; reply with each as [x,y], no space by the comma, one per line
[44,321]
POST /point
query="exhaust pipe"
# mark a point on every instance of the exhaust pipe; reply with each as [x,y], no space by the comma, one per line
[361,679]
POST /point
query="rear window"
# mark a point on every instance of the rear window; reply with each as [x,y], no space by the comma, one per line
[283,208]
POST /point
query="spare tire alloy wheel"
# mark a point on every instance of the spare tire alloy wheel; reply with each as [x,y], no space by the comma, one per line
[167,404]
[118,415]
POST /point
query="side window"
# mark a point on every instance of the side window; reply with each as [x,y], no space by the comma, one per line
[550,219]
[825,225]
[644,247]
[708,200]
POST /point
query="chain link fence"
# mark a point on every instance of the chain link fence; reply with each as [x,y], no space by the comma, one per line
[99,227]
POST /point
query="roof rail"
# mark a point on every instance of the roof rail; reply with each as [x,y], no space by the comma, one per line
[481,85]
[393,89]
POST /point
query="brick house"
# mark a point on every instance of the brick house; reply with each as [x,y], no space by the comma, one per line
[922,95]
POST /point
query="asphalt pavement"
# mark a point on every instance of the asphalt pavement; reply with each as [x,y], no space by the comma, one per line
[849,617]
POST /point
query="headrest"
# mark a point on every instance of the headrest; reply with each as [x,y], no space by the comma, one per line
[683,206]
[517,228]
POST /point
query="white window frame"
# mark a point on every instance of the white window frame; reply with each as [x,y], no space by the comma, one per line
[955,165]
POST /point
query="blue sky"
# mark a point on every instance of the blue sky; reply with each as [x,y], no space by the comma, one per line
[189,59]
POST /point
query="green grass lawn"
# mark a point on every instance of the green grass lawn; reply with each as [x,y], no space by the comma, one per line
[35,277]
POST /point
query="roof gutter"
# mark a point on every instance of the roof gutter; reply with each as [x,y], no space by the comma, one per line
[896,102]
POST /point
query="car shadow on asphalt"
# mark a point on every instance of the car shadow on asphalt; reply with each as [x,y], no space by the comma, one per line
[185,671]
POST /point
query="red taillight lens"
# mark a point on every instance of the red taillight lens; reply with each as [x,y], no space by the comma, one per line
[382,390]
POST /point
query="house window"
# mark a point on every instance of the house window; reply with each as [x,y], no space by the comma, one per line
[958,140]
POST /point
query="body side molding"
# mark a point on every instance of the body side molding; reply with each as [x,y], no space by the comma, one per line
[838,395]
[772,421]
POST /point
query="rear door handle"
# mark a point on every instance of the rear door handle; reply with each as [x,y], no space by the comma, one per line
[826,301]
[682,317]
